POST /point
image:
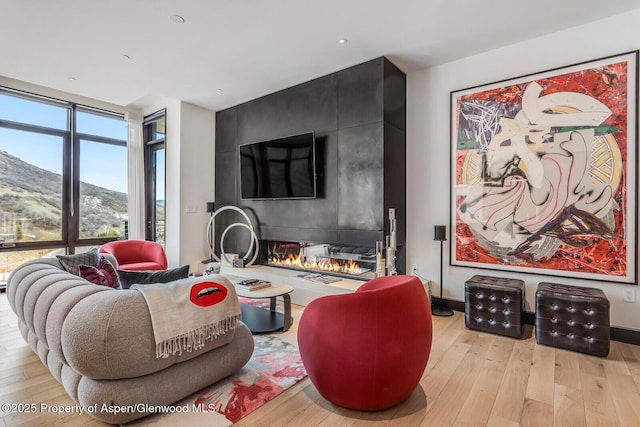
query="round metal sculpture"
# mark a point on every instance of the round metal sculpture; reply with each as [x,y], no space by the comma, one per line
[253,246]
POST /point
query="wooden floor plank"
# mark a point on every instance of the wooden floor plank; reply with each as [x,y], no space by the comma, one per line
[501,349]
[614,363]
[313,414]
[568,407]
[631,356]
[567,372]
[536,414]
[541,376]
[446,406]
[496,421]
[511,395]
[591,365]
[477,407]
[442,341]
[626,398]
[438,377]
[598,403]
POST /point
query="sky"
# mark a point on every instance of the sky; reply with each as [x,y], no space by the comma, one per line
[100,164]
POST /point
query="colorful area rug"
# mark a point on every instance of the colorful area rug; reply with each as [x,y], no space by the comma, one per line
[274,367]
[261,302]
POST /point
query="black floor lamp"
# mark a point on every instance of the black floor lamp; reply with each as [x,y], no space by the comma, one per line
[211,208]
[440,234]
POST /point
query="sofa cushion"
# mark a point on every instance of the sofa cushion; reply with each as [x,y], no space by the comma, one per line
[128,278]
[72,263]
[109,335]
[167,385]
[102,274]
[59,314]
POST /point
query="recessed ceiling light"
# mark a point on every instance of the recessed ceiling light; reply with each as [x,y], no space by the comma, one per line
[219,90]
[71,79]
[176,19]
[124,56]
[342,41]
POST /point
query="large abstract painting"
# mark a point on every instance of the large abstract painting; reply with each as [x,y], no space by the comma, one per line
[544,175]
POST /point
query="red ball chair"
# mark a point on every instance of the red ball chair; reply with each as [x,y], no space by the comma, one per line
[368,350]
[136,255]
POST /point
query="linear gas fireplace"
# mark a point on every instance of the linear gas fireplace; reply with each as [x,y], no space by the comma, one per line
[335,260]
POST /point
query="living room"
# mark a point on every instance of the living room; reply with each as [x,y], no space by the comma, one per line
[191,127]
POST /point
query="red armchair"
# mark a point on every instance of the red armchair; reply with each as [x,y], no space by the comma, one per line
[368,350]
[136,254]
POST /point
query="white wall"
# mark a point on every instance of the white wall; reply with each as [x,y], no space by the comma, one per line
[190,160]
[197,160]
[428,141]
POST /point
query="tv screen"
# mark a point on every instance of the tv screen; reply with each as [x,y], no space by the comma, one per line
[282,168]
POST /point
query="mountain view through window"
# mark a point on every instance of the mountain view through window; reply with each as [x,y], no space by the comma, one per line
[63,178]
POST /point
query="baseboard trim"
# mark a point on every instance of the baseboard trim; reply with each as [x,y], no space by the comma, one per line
[529,318]
[627,336]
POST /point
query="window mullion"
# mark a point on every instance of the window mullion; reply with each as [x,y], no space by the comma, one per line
[101,139]
[74,187]
[32,128]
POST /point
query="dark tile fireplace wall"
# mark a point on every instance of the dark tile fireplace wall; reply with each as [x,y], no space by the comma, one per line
[359,119]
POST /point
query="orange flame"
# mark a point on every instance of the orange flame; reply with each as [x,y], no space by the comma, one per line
[322,264]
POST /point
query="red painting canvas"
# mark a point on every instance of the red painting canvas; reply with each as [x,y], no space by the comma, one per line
[544,172]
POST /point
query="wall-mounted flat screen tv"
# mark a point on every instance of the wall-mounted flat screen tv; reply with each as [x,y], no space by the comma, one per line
[283,168]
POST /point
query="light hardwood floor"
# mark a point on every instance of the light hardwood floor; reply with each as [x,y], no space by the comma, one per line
[472,379]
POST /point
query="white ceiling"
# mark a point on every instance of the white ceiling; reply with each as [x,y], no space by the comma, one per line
[250,48]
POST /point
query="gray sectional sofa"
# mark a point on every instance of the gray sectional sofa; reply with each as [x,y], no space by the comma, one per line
[99,343]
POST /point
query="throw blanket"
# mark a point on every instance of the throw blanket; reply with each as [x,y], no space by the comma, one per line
[188,312]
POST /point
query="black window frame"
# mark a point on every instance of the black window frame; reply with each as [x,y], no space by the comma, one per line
[152,143]
[70,219]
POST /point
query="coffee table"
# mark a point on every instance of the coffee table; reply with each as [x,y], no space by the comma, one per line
[259,320]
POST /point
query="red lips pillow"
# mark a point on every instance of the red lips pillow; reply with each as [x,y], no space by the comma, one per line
[206,294]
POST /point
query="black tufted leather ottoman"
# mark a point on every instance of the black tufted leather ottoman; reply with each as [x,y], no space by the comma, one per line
[495,305]
[572,317]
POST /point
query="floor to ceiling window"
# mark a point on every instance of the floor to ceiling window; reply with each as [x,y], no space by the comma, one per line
[63,177]
[154,146]
[103,175]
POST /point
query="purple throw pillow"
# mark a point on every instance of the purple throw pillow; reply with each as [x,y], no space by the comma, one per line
[102,274]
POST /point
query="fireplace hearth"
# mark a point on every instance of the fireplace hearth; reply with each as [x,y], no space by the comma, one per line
[335,260]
